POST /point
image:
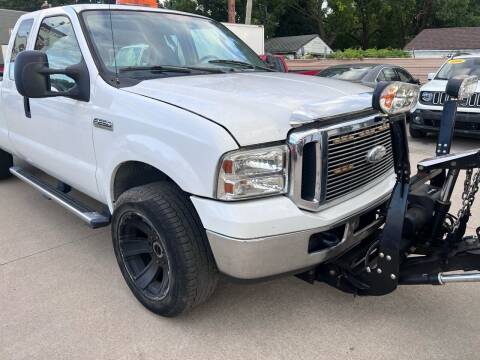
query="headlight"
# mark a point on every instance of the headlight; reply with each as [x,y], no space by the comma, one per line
[253,173]
[395,97]
[426,96]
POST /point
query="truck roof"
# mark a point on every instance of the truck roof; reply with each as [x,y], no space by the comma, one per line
[81,7]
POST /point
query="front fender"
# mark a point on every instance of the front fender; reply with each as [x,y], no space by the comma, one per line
[183,145]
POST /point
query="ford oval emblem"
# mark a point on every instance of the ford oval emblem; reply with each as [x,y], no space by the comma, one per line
[376,154]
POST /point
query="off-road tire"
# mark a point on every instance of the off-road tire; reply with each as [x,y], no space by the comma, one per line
[193,274]
[6,162]
[416,134]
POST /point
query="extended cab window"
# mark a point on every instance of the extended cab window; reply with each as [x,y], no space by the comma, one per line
[57,39]
[19,44]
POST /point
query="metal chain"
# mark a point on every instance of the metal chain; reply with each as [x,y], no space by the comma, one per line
[470,189]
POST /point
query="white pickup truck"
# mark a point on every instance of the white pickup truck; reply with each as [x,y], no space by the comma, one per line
[201,159]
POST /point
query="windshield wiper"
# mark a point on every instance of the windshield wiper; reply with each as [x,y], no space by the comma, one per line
[156,68]
[170,68]
[239,63]
[208,69]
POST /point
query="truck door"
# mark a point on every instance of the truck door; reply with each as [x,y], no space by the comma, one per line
[12,104]
[57,138]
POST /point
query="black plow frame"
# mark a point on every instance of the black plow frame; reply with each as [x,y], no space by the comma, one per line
[416,245]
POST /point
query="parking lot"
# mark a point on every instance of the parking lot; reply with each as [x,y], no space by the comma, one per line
[63,297]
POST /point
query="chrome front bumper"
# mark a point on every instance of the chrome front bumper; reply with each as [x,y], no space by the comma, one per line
[286,253]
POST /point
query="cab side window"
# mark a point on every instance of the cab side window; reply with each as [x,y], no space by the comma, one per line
[57,39]
[19,44]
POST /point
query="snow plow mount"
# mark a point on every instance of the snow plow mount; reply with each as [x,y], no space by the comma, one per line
[421,239]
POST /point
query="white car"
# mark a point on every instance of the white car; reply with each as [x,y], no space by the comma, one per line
[427,115]
[201,159]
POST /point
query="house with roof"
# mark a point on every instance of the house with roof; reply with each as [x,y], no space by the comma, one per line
[445,42]
[295,47]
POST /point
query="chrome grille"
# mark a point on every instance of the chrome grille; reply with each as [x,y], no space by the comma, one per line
[329,164]
[348,168]
[440,97]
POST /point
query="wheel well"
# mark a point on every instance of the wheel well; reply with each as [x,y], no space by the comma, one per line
[135,173]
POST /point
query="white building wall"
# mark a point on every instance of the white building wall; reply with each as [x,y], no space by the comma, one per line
[252,35]
[317,46]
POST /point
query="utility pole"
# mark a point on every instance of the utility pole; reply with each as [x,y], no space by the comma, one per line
[248,16]
[231,11]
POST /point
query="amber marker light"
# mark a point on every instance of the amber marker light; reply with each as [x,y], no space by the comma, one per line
[146,3]
[395,97]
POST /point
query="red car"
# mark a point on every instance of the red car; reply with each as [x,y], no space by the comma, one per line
[275,62]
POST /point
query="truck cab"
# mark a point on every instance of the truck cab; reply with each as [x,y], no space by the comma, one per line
[201,160]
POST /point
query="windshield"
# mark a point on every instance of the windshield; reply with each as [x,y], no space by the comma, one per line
[145,40]
[454,67]
[346,73]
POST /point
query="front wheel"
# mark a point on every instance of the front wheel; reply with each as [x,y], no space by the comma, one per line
[6,162]
[162,249]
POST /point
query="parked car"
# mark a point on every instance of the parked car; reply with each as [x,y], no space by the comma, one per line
[201,159]
[368,74]
[427,115]
[307,72]
[275,62]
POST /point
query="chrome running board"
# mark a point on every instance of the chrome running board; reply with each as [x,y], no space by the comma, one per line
[93,218]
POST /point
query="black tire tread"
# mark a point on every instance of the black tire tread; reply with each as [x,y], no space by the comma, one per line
[6,162]
[182,222]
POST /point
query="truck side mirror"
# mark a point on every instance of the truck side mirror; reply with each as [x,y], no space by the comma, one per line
[430,76]
[32,77]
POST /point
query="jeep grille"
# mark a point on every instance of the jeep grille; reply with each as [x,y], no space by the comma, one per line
[439,98]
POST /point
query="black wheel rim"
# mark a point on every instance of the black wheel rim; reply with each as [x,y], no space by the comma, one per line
[142,249]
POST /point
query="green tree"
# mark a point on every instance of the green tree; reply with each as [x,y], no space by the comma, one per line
[181,5]
[264,12]
[449,13]
[295,20]
[29,5]
[33,5]
[341,23]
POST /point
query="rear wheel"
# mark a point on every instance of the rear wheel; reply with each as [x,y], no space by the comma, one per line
[6,162]
[162,249]
[416,134]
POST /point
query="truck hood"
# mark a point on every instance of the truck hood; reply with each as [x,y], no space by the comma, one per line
[258,107]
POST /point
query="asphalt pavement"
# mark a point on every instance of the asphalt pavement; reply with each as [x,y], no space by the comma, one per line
[62,297]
